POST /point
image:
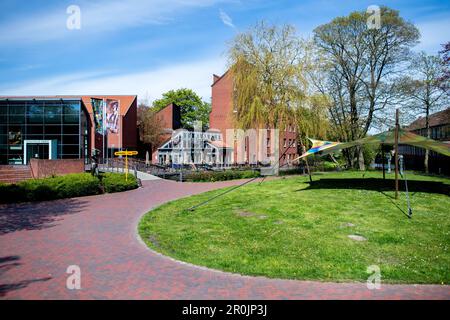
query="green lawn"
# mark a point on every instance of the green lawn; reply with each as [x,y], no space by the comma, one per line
[287,228]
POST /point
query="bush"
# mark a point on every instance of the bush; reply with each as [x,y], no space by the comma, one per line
[329,166]
[68,186]
[211,176]
[115,182]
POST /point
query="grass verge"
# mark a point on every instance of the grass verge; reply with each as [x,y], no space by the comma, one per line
[289,228]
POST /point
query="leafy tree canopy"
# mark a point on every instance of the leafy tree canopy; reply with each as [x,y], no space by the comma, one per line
[193,108]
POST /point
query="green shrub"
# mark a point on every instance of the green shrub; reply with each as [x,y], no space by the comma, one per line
[291,171]
[67,186]
[329,166]
[211,176]
[116,182]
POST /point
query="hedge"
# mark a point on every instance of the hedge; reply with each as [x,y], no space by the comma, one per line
[115,182]
[211,176]
[67,186]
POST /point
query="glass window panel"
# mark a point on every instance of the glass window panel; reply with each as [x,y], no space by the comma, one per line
[52,112]
[52,129]
[71,118]
[35,119]
[71,139]
[16,108]
[35,112]
[33,129]
[35,137]
[70,149]
[52,137]
[72,108]
[3,139]
[52,118]
[16,119]
[3,108]
[71,129]
[3,129]
[3,158]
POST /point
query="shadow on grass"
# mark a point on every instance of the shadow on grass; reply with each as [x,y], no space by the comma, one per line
[36,215]
[376,184]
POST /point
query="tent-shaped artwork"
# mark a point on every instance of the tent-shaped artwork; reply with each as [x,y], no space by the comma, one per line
[388,137]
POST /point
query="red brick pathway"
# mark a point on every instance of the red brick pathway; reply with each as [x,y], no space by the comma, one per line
[39,241]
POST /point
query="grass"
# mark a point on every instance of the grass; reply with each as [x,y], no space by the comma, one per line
[288,228]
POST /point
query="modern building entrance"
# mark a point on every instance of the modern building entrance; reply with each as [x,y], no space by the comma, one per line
[39,149]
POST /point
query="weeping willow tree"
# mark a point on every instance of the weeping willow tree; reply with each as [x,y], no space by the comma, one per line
[312,119]
[267,65]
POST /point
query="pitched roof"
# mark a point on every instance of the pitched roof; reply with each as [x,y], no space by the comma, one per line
[217,78]
[124,105]
[436,119]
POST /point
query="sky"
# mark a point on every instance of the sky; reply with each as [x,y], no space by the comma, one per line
[147,47]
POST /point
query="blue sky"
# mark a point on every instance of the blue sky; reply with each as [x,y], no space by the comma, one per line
[147,47]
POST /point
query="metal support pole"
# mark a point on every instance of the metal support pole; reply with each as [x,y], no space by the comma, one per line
[126,166]
[383,162]
[396,152]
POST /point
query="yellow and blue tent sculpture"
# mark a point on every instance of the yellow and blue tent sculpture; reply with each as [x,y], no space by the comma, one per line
[388,137]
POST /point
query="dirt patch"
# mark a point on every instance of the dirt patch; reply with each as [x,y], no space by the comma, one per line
[246,214]
[154,241]
[347,225]
[357,237]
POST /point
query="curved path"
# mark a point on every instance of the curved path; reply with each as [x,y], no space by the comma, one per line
[38,241]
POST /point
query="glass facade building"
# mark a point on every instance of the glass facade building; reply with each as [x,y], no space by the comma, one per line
[43,128]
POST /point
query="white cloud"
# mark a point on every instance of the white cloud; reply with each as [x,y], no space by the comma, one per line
[434,33]
[226,19]
[99,16]
[147,84]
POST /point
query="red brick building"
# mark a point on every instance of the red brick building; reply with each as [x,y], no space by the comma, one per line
[439,130]
[170,119]
[126,137]
[222,118]
[62,127]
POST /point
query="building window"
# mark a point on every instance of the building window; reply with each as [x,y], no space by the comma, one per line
[32,119]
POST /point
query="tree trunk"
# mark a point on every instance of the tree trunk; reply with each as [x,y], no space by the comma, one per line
[362,167]
[427,120]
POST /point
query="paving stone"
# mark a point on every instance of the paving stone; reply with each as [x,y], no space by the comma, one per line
[38,241]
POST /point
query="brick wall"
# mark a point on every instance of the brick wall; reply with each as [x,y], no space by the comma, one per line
[42,168]
[221,118]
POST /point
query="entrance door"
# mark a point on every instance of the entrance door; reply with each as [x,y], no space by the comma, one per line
[37,149]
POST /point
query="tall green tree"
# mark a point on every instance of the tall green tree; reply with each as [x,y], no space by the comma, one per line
[359,66]
[193,108]
[423,91]
[266,63]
